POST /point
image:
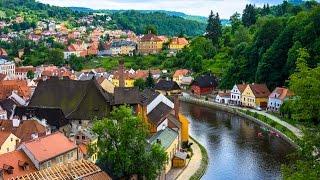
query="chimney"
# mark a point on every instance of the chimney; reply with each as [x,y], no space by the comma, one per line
[121,73]
[176,106]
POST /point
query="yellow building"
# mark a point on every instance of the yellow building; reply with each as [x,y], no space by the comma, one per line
[127,50]
[255,95]
[176,44]
[8,142]
[150,44]
[129,82]
[169,140]
[184,128]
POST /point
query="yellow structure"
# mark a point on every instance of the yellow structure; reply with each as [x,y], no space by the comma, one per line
[8,142]
[108,86]
[177,44]
[127,50]
[255,95]
[129,82]
[150,44]
[184,128]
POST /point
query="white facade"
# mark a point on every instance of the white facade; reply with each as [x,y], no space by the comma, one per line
[235,95]
[274,104]
[222,99]
[7,68]
[67,54]
[3,113]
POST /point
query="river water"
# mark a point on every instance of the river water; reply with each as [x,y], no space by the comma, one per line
[235,146]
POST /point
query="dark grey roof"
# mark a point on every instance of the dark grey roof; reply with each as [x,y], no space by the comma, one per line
[147,96]
[205,81]
[7,105]
[159,113]
[126,95]
[77,99]
[167,85]
[172,119]
[54,116]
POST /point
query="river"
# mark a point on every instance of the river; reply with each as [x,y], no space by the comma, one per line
[235,149]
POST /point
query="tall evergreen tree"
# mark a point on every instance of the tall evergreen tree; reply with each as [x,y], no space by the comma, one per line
[249,15]
[150,81]
[214,28]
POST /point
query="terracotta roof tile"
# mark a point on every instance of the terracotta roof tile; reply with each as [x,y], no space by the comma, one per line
[241,87]
[260,90]
[4,136]
[50,146]
[181,72]
[13,159]
[281,93]
[6,88]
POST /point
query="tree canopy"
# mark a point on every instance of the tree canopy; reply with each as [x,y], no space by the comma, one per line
[122,146]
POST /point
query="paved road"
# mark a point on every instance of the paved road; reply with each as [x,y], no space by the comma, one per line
[191,168]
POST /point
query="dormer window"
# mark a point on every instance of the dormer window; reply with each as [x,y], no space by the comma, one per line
[24,165]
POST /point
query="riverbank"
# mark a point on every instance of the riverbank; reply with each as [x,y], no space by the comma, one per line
[196,165]
[282,128]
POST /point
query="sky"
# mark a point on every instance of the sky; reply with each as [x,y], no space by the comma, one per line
[225,8]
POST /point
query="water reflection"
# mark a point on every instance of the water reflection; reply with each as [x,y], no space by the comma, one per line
[234,147]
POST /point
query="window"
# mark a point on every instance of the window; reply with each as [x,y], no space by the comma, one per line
[48,164]
[83,137]
[59,159]
[11,139]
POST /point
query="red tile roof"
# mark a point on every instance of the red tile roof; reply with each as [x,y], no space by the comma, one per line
[13,159]
[50,146]
[241,87]
[150,37]
[4,136]
[260,90]
[181,72]
[25,129]
[3,52]
[281,93]
[25,69]
[2,76]
[21,86]
[179,41]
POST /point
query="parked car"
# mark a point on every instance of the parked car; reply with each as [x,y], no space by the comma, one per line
[258,108]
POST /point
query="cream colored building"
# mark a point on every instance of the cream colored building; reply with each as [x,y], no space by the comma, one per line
[7,68]
[8,142]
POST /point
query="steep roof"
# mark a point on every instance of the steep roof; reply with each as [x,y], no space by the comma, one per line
[281,93]
[167,85]
[260,90]
[126,95]
[13,159]
[179,41]
[150,37]
[53,116]
[241,87]
[181,72]
[24,130]
[159,113]
[3,52]
[50,146]
[77,99]
[8,104]
[21,86]
[205,81]
[147,96]
[4,136]
[166,137]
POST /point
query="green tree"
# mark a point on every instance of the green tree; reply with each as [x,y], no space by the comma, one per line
[214,28]
[150,81]
[304,163]
[249,15]
[140,83]
[30,74]
[122,147]
[76,63]
[151,29]
[235,22]
[306,86]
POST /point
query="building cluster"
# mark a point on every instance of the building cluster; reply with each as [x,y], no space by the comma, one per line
[46,120]
[255,96]
[92,40]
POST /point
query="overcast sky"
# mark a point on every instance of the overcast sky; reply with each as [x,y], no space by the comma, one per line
[194,7]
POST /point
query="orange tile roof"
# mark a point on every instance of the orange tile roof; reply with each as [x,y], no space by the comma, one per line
[179,41]
[281,93]
[21,86]
[181,72]
[4,136]
[50,146]
[3,52]
[241,87]
[150,37]
[25,69]
[25,129]
[12,159]
[2,76]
